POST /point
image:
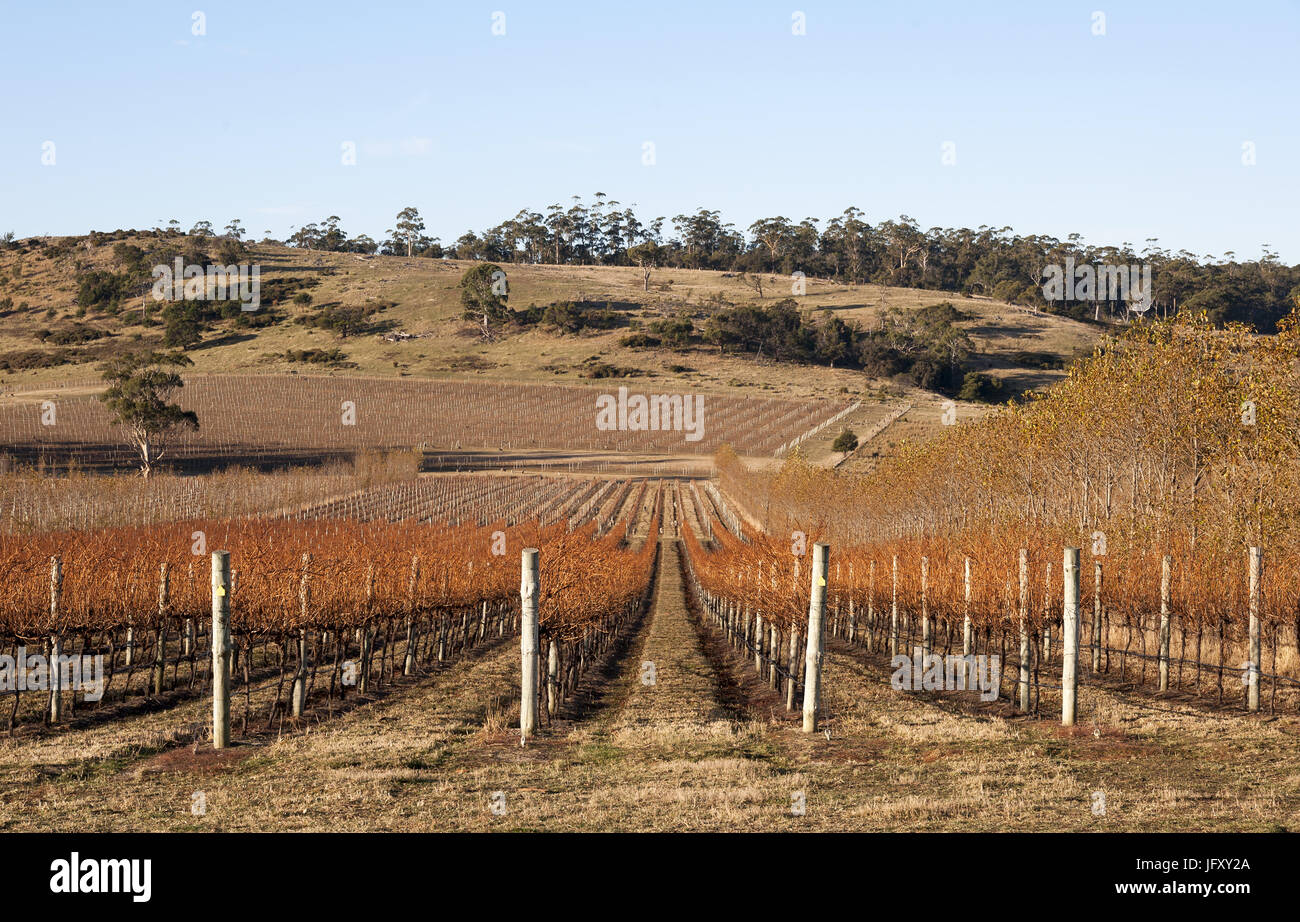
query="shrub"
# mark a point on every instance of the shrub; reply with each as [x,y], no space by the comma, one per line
[103,290]
[333,358]
[846,441]
[978,386]
[74,335]
[675,334]
[606,370]
[343,321]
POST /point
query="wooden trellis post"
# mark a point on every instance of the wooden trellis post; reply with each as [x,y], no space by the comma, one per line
[365,634]
[56,642]
[812,685]
[925,609]
[528,644]
[966,631]
[1070,639]
[1097,577]
[967,635]
[553,678]
[1256,574]
[1024,629]
[1047,614]
[871,608]
[304,604]
[893,614]
[1166,575]
[220,649]
[774,653]
[408,662]
[160,654]
[793,667]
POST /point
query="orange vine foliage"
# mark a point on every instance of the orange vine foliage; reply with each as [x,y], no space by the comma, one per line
[1176,438]
[763,572]
[353,572]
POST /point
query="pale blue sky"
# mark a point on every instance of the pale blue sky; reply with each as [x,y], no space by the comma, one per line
[1121,137]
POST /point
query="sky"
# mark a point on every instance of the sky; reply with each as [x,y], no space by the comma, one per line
[471,112]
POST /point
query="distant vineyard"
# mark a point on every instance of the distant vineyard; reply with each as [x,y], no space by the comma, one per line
[469,499]
[298,416]
[33,503]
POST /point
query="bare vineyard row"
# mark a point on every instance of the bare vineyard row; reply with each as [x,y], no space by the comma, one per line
[1138,619]
[297,415]
[316,606]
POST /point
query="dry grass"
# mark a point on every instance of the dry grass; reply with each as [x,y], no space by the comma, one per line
[426,295]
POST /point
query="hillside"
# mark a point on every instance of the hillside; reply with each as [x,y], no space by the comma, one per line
[415,328]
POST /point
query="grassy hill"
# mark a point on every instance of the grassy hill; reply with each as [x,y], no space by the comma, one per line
[417,329]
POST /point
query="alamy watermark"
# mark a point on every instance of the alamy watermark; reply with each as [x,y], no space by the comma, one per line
[190,282]
[1068,282]
[656,413]
[37,673]
[75,874]
[933,672]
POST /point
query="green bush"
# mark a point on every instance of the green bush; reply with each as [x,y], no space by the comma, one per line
[103,290]
[977,386]
[334,358]
[343,321]
[70,336]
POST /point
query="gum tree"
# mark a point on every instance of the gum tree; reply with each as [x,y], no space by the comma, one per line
[409,227]
[483,295]
[647,256]
[141,387]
